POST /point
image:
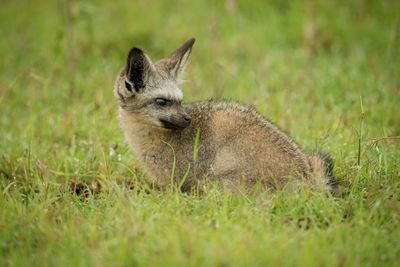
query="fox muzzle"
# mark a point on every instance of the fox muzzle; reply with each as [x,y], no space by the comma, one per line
[177,122]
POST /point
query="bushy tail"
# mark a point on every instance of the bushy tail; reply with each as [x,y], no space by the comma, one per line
[322,168]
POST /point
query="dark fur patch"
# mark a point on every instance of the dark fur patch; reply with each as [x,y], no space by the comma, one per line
[172,126]
[332,181]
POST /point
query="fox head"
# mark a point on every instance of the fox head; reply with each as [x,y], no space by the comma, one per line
[154,90]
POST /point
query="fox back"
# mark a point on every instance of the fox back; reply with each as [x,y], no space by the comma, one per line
[207,141]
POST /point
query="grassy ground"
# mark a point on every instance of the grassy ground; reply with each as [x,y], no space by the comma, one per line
[72,191]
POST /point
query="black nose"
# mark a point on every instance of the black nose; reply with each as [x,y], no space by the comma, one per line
[188,119]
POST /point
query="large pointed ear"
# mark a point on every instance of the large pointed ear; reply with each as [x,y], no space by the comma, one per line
[138,70]
[175,63]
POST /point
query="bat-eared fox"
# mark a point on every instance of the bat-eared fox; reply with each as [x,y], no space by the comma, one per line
[193,144]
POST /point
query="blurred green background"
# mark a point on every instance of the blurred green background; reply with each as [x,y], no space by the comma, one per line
[327,72]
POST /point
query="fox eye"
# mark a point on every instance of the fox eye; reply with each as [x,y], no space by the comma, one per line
[161,101]
[128,86]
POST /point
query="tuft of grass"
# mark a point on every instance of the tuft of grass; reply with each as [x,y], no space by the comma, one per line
[72,192]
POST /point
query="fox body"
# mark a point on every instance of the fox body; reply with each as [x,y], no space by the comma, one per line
[218,141]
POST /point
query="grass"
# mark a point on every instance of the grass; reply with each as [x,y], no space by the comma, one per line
[72,192]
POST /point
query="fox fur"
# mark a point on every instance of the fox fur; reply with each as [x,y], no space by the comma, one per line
[236,147]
